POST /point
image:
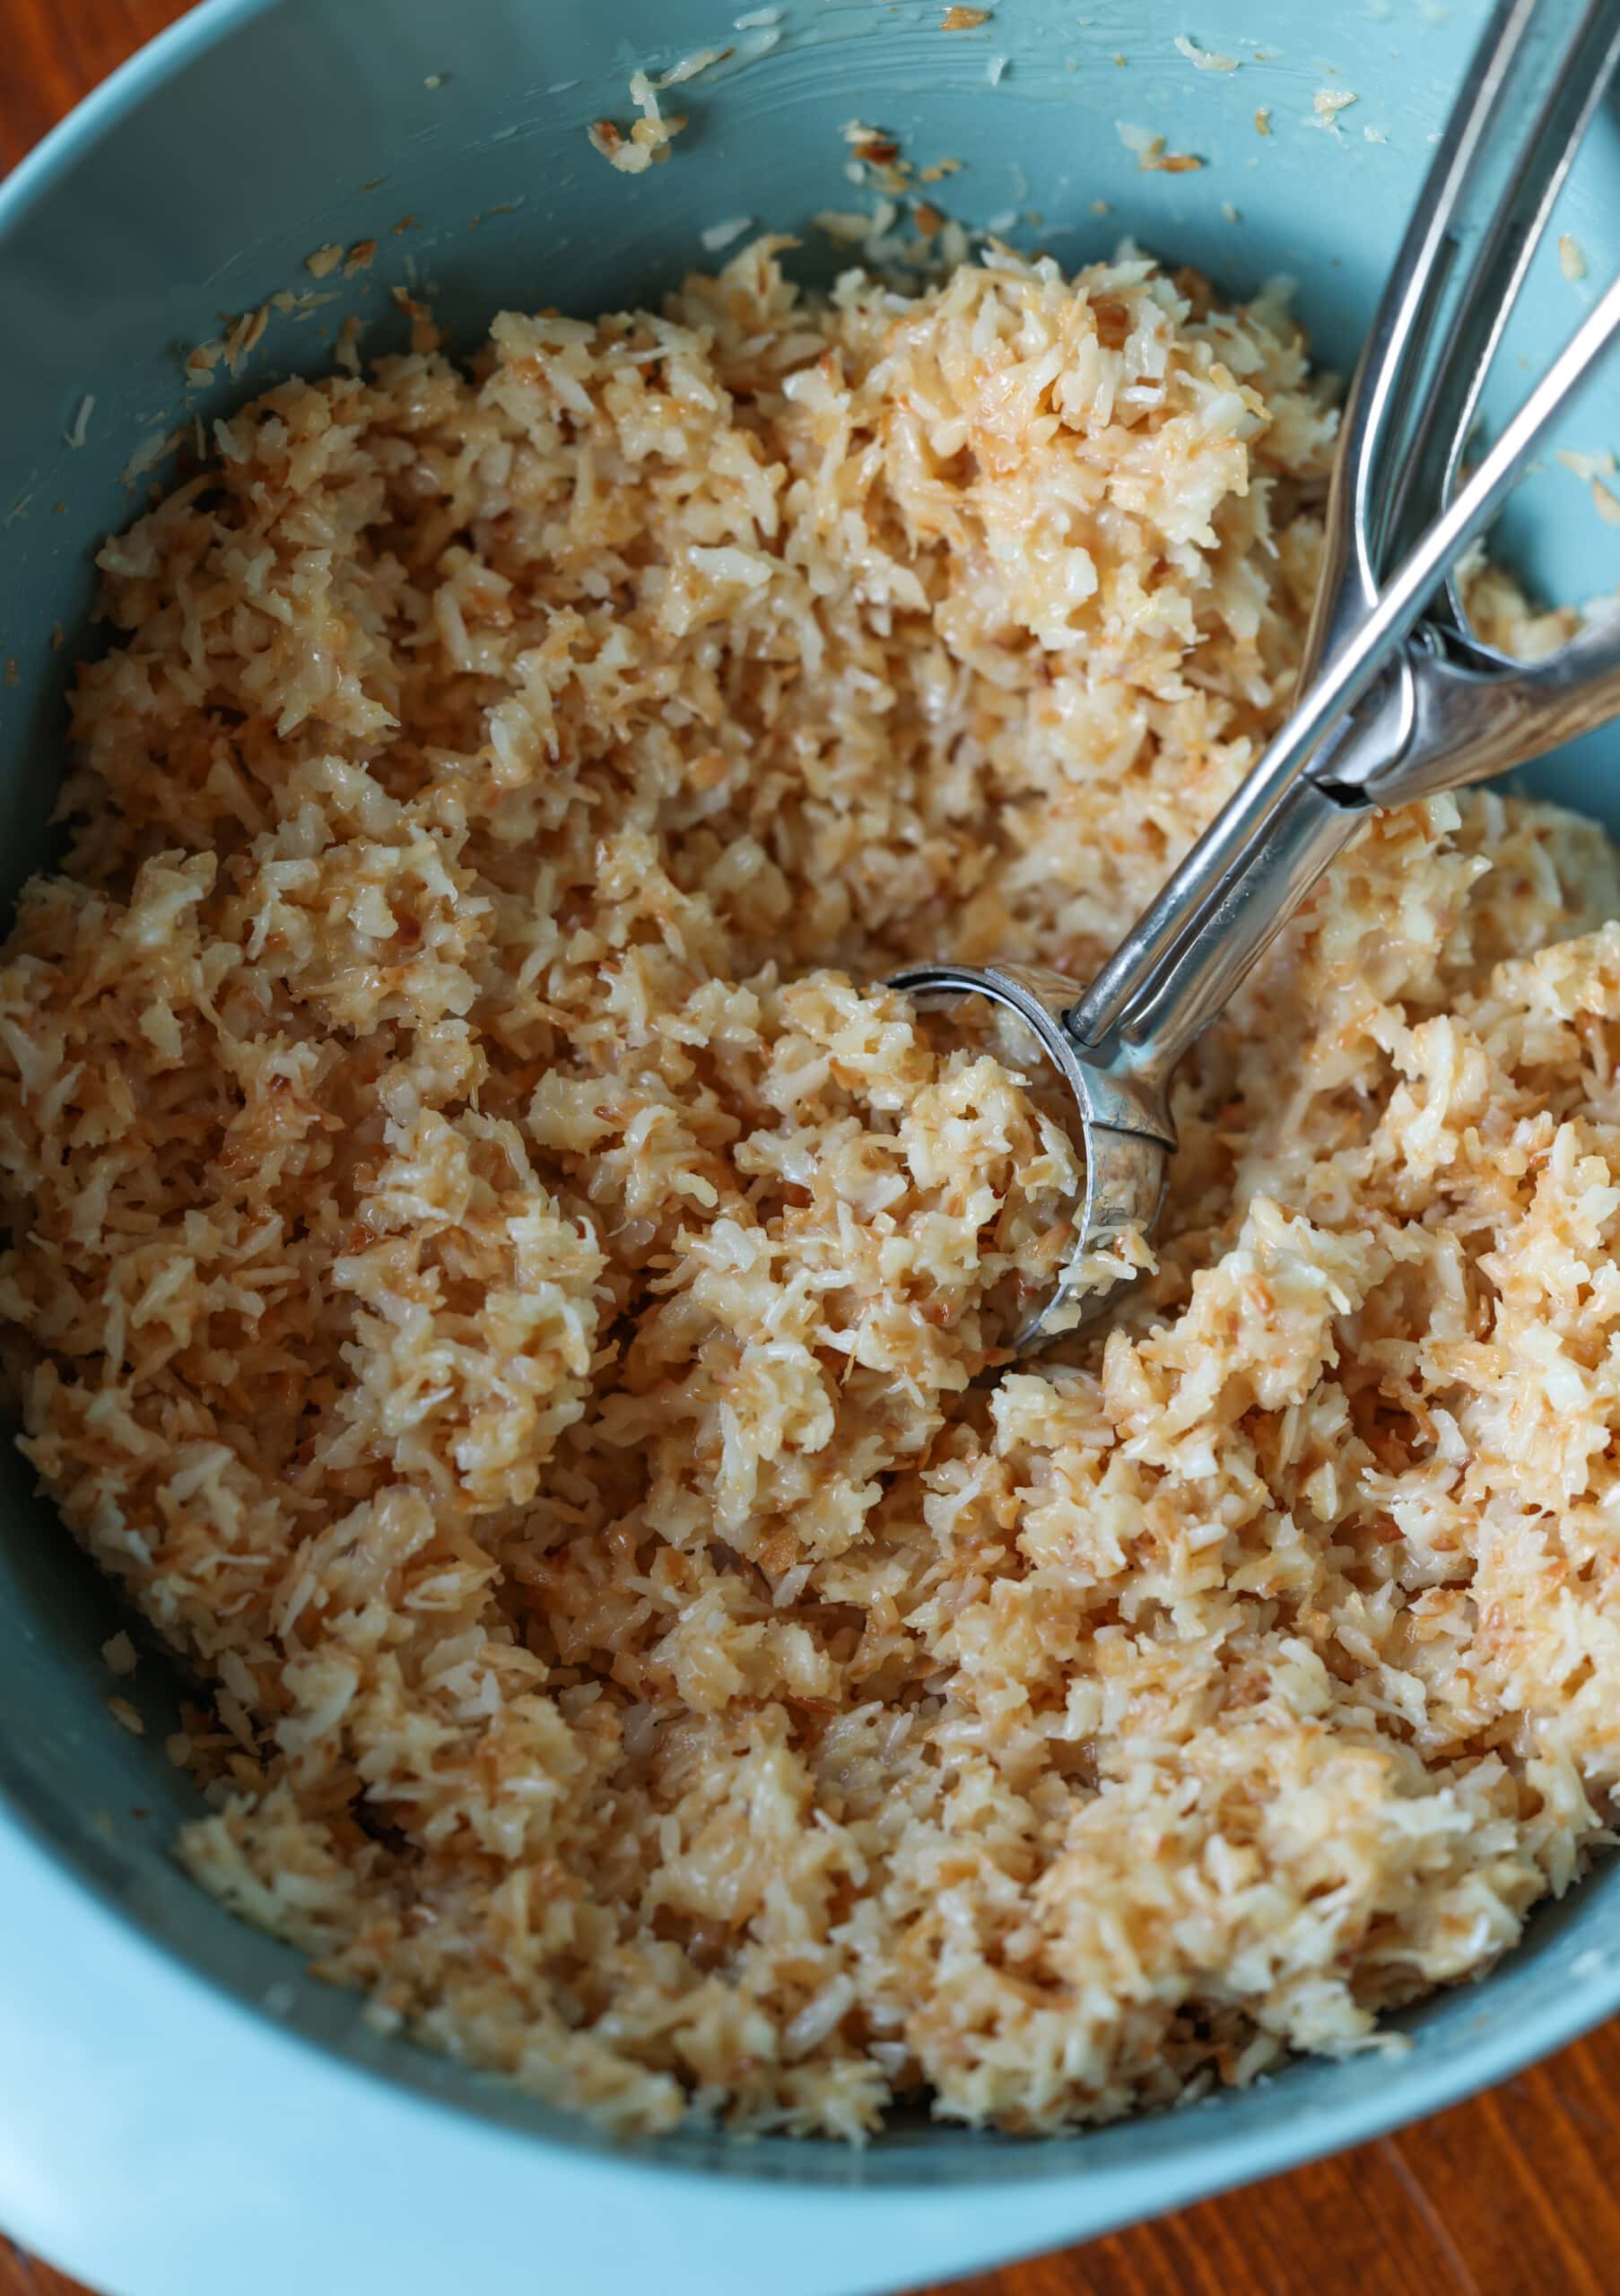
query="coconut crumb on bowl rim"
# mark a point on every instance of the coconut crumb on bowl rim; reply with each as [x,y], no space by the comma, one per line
[522,1314]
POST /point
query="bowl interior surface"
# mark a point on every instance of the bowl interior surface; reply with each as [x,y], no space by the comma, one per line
[197,184]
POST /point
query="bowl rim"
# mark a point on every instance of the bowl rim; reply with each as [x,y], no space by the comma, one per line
[117,2017]
[422,2187]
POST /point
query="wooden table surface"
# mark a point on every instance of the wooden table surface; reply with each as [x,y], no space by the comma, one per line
[1517,2194]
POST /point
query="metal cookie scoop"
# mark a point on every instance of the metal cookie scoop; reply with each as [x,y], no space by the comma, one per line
[1398,698]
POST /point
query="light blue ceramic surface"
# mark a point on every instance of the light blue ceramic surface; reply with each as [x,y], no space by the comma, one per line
[160,2131]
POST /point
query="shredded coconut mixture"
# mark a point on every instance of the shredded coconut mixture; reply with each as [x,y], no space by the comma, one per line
[522,1313]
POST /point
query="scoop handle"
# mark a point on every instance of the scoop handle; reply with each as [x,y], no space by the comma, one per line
[1346,742]
[1239,915]
[1532,87]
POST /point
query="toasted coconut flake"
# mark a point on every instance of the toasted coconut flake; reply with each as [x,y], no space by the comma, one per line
[1203,59]
[119,1654]
[648,140]
[1601,464]
[152,450]
[1144,145]
[1327,104]
[721,235]
[688,67]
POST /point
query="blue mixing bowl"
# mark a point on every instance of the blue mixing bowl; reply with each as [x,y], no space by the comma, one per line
[182,2111]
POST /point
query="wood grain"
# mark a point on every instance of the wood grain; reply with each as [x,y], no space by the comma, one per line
[1517,2194]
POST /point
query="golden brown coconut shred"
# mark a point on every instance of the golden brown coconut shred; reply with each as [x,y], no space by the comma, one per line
[512,1303]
